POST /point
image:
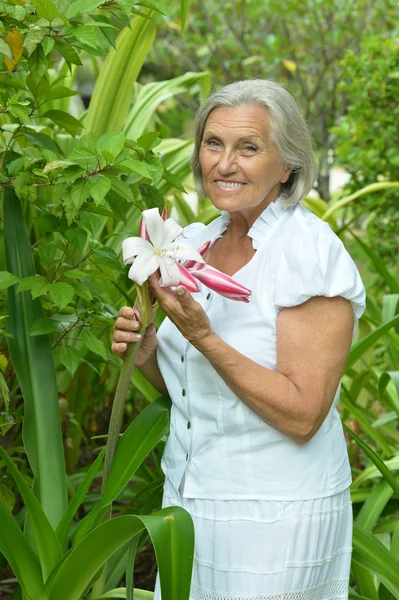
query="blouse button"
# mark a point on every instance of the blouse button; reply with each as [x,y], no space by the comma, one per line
[182,358]
[183,392]
[188,425]
[186,456]
[208,296]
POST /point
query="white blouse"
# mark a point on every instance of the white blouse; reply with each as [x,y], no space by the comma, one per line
[218,448]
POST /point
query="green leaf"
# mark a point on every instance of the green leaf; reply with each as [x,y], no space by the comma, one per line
[43,141]
[172,533]
[99,187]
[375,459]
[77,237]
[74,274]
[111,142]
[38,64]
[111,98]
[86,34]
[61,293]
[369,552]
[78,497]
[57,164]
[61,92]
[19,554]
[5,49]
[82,290]
[121,593]
[361,347]
[379,264]
[93,343]
[70,358]
[183,13]
[46,9]
[137,167]
[82,7]
[80,192]
[134,445]
[85,157]
[27,283]
[151,196]
[64,120]
[4,393]
[47,45]
[43,327]
[148,140]
[7,279]
[47,542]
[68,52]
[122,189]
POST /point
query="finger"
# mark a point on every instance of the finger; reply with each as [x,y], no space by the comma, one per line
[127,312]
[183,295]
[119,348]
[125,336]
[124,324]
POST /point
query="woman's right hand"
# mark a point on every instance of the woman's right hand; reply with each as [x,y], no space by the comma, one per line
[126,330]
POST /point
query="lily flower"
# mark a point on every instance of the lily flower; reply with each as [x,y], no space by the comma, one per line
[159,251]
[215,280]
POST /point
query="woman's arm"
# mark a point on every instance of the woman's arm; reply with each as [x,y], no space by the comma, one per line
[313,342]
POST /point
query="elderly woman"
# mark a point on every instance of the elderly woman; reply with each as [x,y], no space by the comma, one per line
[256,452]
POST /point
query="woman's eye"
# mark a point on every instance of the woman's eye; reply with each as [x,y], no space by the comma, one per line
[213,143]
[250,148]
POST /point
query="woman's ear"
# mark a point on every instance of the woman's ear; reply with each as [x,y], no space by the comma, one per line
[286,174]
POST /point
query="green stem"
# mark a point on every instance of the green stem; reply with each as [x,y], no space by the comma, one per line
[146,313]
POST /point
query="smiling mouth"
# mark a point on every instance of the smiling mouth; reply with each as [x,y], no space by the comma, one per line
[229,185]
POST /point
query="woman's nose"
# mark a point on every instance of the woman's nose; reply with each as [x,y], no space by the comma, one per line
[227,162]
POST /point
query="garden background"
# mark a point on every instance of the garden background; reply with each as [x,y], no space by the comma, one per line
[96,107]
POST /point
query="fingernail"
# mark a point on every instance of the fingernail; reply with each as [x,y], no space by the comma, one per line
[180,291]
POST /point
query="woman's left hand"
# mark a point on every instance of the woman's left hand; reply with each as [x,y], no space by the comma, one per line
[188,316]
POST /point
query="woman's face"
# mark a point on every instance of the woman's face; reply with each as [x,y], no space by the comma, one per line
[241,167]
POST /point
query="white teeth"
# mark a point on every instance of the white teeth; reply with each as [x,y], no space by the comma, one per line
[230,185]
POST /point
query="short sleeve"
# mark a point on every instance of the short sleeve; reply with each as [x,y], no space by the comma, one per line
[316,263]
[190,232]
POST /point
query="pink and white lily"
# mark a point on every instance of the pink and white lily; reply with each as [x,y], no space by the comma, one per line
[156,249]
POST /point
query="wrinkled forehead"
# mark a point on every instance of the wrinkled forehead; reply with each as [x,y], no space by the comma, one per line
[247,120]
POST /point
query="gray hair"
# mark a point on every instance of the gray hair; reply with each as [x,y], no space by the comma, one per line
[288,130]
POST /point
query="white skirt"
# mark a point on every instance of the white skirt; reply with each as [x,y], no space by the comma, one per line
[269,550]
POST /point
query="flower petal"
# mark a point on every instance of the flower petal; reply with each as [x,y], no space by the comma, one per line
[133,246]
[171,231]
[154,225]
[170,274]
[144,265]
[187,280]
[221,283]
[164,214]
[191,264]
[143,230]
[183,251]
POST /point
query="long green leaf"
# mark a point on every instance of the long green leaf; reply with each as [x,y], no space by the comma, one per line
[48,546]
[32,359]
[361,347]
[151,95]
[379,264]
[19,554]
[374,505]
[121,593]
[183,13]
[77,499]
[134,445]
[368,189]
[375,459]
[111,98]
[369,552]
[172,533]
[360,416]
